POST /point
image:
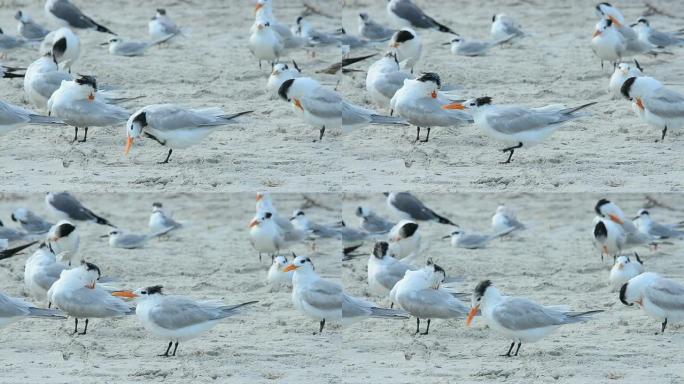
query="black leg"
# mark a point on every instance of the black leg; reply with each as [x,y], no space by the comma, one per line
[427,329]
[322,325]
[259,256]
[418,134]
[664,325]
[664,132]
[168,156]
[166,354]
[85,137]
[511,150]
[417,326]
[75,325]
[320,138]
[508,354]
[426,137]
[391,112]
[391,305]
[517,349]
[75,135]
[85,329]
[176,347]
[260,64]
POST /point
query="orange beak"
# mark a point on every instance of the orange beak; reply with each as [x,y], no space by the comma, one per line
[616,219]
[617,23]
[454,106]
[434,94]
[126,294]
[605,250]
[253,223]
[91,97]
[621,266]
[90,286]
[129,144]
[640,103]
[298,104]
[259,196]
[258,7]
[596,33]
[471,314]
[289,268]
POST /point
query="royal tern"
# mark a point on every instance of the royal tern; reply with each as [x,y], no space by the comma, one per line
[64,205]
[624,269]
[505,218]
[12,117]
[609,237]
[461,238]
[41,271]
[420,103]
[371,222]
[265,235]
[384,271]
[63,239]
[519,319]
[372,30]
[662,107]
[122,239]
[404,240]
[77,294]
[633,45]
[279,74]
[419,293]
[8,42]
[6,253]
[513,123]
[177,318]
[661,298]
[161,220]
[31,222]
[76,103]
[65,13]
[404,12]
[610,211]
[504,27]
[407,47]
[265,43]
[622,72]
[384,79]
[646,225]
[607,43]
[264,204]
[120,47]
[408,206]
[42,78]
[303,224]
[14,309]
[317,298]
[276,277]
[162,26]
[655,38]
[264,11]
[28,28]
[465,47]
[64,45]
[174,126]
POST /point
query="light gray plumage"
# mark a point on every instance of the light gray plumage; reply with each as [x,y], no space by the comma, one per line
[666,294]
[371,29]
[520,314]
[175,312]
[121,239]
[372,222]
[409,12]
[14,116]
[355,116]
[28,28]
[65,203]
[12,234]
[12,309]
[355,309]
[414,208]
[31,222]
[8,42]
[71,15]
[432,304]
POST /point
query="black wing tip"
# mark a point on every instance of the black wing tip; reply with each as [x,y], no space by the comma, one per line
[623,294]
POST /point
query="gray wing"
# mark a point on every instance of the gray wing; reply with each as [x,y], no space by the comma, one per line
[11,307]
[474,48]
[177,312]
[512,222]
[521,314]
[431,303]
[514,119]
[390,83]
[96,302]
[68,12]
[353,307]
[132,48]
[170,117]
[429,111]
[168,222]
[68,204]
[409,11]
[376,224]
[511,28]
[92,113]
[662,39]
[474,240]
[131,240]
[50,275]
[666,294]
[408,203]
[375,31]
[324,295]
[663,231]
[323,102]
[12,115]
[47,83]
[33,31]
[11,234]
[395,272]
[665,103]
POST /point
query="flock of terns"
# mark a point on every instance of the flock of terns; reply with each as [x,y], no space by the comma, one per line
[421,100]
[55,274]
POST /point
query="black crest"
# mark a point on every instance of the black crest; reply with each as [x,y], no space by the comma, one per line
[154,289]
[623,294]
[59,47]
[627,87]
[644,212]
[493,18]
[89,80]
[141,119]
[600,230]
[430,76]
[609,22]
[482,287]
[408,229]
[380,249]
[64,230]
[161,11]
[157,204]
[600,204]
[403,36]
[91,267]
[437,268]
[268,215]
[483,101]
[285,88]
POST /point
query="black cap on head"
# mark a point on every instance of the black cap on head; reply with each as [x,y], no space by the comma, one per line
[627,87]
[600,230]
[59,47]
[161,11]
[609,22]
[1,224]
[403,36]
[268,215]
[644,212]
[482,287]
[89,80]
[599,204]
[407,230]
[623,295]
[91,267]
[598,6]
[285,88]
[1,31]
[141,118]
[643,20]
[155,289]
[437,268]
[157,204]
[380,249]
[494,18]
[430,76]
[483,100]
[64,230]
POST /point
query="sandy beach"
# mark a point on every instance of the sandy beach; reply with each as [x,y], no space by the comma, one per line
[272,148]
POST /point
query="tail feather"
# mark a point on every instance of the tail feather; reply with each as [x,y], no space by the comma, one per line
[569,111]
[103,29]
[389,120]
[9,75]
[101,220]
[47,313]
[388,313]
[39,119]
[230,310]
[7,253]
[234,115]
[443,28]
[443,220]
[584,315]
[352,60]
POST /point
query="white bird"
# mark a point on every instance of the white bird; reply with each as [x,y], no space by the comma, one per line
[519,319]
[384,271]
[264,204]
[304,225]
[372,30]
[42,78]
[466,47]
[505,218]
[610,211]
[384,79]
[14,309]
[314,296]
[77,294]
[622,72]
[517,124]
[421,104]
[8,43]
[65,206]
[607,43]
[265,236]
[408,206]
[28,28]
[405,12]
[264,11]
[161,220]
[461,238]
[624,269]
[63,240]
[162,26]
[661,298]
[279,74]
[407,46]
[178,318]
[662,107]
[41,271]
[504,27]
[174,126]
[633,45]
[609,237]
[355,309]
[121,47]
[404,240]
[371,222]
[64,45]
[30,221]
[76,103]
[649,227]
[652,37]
[119,238]
[276,277]
[265,43]
[65,13]
[12,117]
[419,293]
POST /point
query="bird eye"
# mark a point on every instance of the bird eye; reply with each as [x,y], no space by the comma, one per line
[144,292]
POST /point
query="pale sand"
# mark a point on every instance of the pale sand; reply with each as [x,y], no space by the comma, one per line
[611,150]
[211,258]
